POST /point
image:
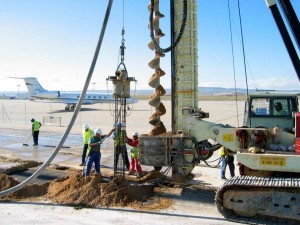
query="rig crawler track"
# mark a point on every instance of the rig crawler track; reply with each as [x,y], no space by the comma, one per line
[258,200]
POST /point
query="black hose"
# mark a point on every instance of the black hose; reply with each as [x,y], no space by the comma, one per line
[181,31]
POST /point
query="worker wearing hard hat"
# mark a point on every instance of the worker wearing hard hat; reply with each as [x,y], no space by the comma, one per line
[134,154]
[35,131]
[86,134]
[93,152]
[119,137]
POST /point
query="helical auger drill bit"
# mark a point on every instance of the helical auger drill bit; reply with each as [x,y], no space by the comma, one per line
[154,81]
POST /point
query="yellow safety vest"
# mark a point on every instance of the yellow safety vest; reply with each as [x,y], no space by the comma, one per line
[134,152]
[120,138]
[222,151]
[86,135]
[36,126]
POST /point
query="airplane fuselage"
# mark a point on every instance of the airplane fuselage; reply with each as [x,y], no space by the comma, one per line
[71,97]
[38,93]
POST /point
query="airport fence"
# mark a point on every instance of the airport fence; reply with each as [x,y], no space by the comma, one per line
[51,114]
[52,120]
[55,115]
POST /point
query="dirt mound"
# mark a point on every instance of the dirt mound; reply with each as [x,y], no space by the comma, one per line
[91,191]
[152,176]
[7,182]
[94,191]
[31,190]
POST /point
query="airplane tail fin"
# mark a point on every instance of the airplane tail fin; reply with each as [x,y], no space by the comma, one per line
[32,85]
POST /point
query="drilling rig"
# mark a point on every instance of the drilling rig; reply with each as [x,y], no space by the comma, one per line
[121,92]
[269,183]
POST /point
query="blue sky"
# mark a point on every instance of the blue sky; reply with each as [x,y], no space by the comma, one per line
[55,40]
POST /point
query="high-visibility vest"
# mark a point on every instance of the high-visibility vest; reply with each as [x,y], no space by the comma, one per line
[134,152]
[222,151]
[86,135]
[280,113]
[119,137]
[36,125]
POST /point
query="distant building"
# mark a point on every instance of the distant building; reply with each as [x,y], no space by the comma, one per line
[13,95]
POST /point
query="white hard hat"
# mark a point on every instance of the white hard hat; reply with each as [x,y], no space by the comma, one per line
[98,131]
[85,126]
[135,134]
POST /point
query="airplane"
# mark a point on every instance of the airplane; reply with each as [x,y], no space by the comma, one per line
[39,94]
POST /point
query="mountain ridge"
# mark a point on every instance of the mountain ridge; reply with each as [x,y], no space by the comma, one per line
[203,91]
[218,91]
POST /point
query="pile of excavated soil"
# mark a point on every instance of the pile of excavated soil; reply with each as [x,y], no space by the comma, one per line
[89,191]
[29,191]
[152,176]
[93,191]
[7,182]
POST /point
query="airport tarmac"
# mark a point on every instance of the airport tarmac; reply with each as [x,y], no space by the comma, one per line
[15,130]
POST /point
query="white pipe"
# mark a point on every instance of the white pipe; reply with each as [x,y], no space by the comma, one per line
[78,106]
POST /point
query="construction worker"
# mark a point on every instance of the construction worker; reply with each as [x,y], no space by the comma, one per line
[227,158]
[134,154]
[35,131]
[93,152]
[279,109]
[119,137]
[86,134]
